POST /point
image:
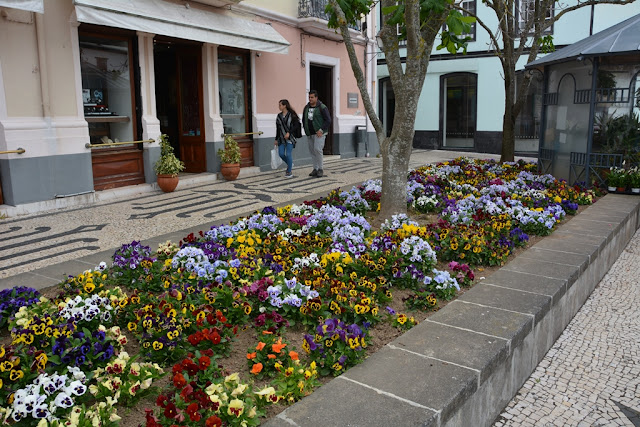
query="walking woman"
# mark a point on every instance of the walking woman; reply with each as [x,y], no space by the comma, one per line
[284,137]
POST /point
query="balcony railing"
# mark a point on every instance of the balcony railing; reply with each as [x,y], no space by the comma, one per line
[315,9]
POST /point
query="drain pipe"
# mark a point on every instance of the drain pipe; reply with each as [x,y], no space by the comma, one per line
[42,65]
[366,77]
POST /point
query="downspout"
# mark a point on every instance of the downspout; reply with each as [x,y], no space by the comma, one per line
[366,76]
[42,65]
[592,108]
[543,119]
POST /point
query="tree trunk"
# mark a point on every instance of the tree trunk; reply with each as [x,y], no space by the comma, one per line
[508,137]
[509,118]
[395,165]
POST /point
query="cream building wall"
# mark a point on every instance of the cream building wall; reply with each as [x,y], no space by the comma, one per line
[41,107]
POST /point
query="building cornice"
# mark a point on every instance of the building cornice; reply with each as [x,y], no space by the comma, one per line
[308,25]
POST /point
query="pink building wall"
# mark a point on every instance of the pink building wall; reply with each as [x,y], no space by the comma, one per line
[284,76]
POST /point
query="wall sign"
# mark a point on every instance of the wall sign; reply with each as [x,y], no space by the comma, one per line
[352,100]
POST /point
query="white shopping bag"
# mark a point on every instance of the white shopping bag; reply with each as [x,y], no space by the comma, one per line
[276,161]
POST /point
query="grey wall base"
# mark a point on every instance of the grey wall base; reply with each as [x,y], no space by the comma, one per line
[150,156]
[463,364]
[485,141]
[346,145]
[35,179]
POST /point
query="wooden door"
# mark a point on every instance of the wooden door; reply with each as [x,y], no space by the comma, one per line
[190,111]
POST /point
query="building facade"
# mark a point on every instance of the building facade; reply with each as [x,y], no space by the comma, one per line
[87,86]
[462,102]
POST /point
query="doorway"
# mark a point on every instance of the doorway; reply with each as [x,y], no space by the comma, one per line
[178,74]
[321,79]
[458,110]
[387,105]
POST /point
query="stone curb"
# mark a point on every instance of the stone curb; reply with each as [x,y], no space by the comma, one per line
[465,363]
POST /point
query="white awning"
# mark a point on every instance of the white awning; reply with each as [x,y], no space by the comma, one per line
[30,5]
[188,21]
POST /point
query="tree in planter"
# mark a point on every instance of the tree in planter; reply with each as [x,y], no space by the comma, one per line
[229,158]
[522,25]
[231,152]
[168,165]
[419,22]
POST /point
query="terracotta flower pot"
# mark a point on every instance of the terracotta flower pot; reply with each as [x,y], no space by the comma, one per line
[167,183]
[620,189]
[230,171]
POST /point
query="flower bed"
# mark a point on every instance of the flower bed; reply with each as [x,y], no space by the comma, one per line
[317,268]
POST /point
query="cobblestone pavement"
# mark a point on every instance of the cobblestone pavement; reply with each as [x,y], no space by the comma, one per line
[40,240]
[591,375]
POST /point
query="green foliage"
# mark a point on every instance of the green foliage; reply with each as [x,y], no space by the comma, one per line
[168,163]
[457,24]
[618,134]
[353,10]
[546,44]
[231,152]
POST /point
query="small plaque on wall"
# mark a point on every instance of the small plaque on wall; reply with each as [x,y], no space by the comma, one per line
[352,100]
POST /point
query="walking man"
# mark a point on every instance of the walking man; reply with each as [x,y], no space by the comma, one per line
[316,120]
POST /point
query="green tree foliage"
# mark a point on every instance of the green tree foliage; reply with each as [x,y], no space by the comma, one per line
[416,23]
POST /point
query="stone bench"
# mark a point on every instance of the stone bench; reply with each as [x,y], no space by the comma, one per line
[463,365]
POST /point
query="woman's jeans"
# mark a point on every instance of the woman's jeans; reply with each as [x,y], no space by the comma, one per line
[285,151]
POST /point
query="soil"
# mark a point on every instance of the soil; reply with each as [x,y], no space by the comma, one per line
[381,334]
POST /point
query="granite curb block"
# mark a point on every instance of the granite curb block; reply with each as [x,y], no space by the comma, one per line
[464,364]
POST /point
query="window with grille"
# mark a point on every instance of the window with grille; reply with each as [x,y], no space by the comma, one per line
[526,10]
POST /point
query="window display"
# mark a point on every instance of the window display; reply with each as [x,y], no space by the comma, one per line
[107,89]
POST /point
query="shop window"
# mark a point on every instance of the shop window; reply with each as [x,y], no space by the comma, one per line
[107,88]
[233,96]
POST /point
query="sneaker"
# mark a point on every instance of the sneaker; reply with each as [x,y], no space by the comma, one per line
[319,174]
[314,173]
[288,175]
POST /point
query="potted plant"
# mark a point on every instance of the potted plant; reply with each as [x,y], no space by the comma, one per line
[634,179]
[616,180]
[229,158]
[168,166]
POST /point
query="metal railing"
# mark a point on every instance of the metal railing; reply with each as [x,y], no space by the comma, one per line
[597,162]
[315,9]
[242,134]
[113,144]
[18,151]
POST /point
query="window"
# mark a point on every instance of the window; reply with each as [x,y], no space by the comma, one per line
[469,5]
[526,13]
[233,96]
[528,121]
[107,88]
[458,109]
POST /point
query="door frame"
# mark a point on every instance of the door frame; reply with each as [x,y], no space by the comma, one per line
[334,64]
[443,109]
[328,75]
